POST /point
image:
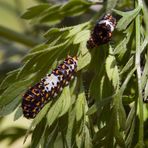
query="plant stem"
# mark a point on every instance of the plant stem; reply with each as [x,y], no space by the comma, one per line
[18,37]
[137,61]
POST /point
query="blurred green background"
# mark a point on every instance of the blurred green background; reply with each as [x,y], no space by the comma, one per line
[11,52]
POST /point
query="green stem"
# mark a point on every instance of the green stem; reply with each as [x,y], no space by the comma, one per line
[137,61]
[18,37]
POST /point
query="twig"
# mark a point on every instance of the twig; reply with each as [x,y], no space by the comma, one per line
[18,37]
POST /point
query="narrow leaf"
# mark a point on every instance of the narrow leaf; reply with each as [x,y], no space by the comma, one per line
[65,96]
[9,108]
[35,11]
[18,113]
[112,70]
[54,112]
[16,89]
[81,36]
[80,106]
[127,18]
[84,61]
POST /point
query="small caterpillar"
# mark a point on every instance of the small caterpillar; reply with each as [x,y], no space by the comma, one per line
[102,31]
[49,87]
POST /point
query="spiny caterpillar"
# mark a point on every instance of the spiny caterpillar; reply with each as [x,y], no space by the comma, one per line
[102,31]
[49,87]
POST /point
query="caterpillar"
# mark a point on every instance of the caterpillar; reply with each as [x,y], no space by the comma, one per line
[102,31]
[49,87]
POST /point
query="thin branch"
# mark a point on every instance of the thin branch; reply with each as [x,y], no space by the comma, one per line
[17,37]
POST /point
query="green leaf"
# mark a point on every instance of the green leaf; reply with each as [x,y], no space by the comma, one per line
[66,97]
[127,18]
[52,32]
[100,134]
[56,35]
[83,61]
[93,109]
[99,81]
[78,10]
[55,32]
[51,19]
[112,70]
[83,48]
[73,4]
[41,114]
[48,15]
[51,10]
[35,11]
[121,48]
[47,62]
[9,79]
[73,87]
[79,139]
[126,81]
[54,112]
[95,85]
[122,115]
[130,135]
[81,36]
[75,7]
[144,44]
[80,104]
[13,91]
[130,119]
[39,63]
[9,108]
[145,113]
[18,113]
[145,13]
[76,29]
[37,119]
[88,140]
[120,112]
[119,139]
[37,133]
[144,77]
[111,4]
[70,128]
[39,47]
[128,65]
[51,135]
[27,68]
[46,51]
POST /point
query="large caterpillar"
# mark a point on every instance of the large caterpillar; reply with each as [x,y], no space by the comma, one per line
[49,87]
[102,31]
